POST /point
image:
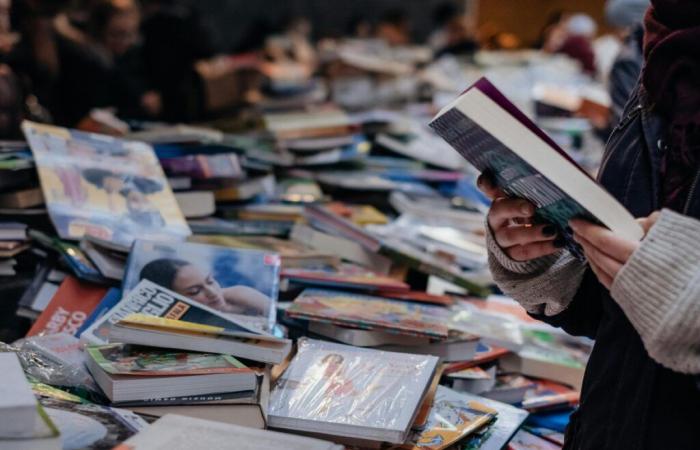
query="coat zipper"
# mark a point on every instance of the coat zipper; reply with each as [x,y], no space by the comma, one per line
[623,123]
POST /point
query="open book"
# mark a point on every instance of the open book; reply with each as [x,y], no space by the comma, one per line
[492,134]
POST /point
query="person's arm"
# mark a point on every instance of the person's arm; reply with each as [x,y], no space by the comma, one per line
[658,288]
[248,299]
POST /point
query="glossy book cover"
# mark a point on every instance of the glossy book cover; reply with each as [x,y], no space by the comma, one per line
[350,388]
[369,312]
[229,280]
[132,360]
[99,185]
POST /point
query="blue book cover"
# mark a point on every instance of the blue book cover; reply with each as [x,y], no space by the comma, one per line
[111,298]
[228,280]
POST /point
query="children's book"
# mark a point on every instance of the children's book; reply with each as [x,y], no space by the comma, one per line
[339,390]
[369,312]
[495,136]
[229,280]
[100,185]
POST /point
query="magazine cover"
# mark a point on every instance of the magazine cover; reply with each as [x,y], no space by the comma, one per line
[369,312]
[343,385]
[451,419]
[153,300]
[124,359]
[508,420]
[232,281]
[103,186]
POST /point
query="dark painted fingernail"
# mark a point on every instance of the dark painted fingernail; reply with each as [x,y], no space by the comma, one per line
[549,231]
[559,243]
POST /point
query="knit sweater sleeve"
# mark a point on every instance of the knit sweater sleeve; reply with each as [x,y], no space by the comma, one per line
[543,286]
[659,291]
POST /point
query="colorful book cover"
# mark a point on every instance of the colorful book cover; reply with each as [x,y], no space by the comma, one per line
[484,353]
[103,186]
[151,299]
[452,418]
[548,395]
[111,298]
[349,276]
[232,281]
[345,386]
[204,167]
[69,308]
[132,360]
[369,312]
[524,440]
[494,437]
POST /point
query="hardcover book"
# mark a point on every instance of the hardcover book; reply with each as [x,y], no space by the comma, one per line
[111,188]
[369,312]
[229,280]
[339,390]
[495,136]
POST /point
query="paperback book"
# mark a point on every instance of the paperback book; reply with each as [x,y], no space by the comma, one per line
[231,281]
[339,390]
[369,312]
[111,188]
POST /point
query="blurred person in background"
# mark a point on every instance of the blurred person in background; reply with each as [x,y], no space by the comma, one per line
[639,301]
[174,38]
[454,34]
[394,28]
[573,36]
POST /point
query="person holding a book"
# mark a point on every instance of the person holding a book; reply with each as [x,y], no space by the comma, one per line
[640,301]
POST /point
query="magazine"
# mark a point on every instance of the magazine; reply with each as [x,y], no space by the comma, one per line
[369,312]
[103,186]
[348,391]
[231,281]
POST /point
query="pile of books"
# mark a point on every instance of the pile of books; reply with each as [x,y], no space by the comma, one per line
[324,276]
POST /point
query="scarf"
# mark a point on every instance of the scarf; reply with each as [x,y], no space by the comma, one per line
[671,77]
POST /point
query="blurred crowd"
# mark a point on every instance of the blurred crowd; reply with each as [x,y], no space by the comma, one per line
[149,60]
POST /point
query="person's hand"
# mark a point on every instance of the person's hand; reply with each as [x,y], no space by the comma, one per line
[510,220]
[606,252]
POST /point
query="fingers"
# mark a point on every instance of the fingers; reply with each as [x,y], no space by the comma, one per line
[524,234]
[648,222]
[488,187]
[604,263]
[532,251]
[603,277]
[505,209]
[604,240]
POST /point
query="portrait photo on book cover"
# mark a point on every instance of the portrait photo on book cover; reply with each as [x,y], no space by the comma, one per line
[232,281]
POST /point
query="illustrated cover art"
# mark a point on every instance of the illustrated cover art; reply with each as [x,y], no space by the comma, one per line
[369,312]
[151,299]
[232,281]
[124,359]
[347,275]
[103,186]
[340,384]
[451,419]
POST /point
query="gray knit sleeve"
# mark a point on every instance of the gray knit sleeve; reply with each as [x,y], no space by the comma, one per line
[542,286]
[659,291]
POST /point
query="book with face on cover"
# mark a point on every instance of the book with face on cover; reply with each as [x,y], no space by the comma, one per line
[104,186]
[495,136]
[369,312]
[339,390]
[229,280]
[153,315]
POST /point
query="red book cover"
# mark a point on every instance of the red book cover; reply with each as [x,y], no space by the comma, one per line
[70,306]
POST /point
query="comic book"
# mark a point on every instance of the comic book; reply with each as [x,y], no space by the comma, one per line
[103,186]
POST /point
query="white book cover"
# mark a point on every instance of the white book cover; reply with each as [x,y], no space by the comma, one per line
[18,405]
[340,390]
[173,432]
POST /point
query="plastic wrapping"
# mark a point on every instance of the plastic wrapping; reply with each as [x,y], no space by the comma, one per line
[56,360]
[348,391]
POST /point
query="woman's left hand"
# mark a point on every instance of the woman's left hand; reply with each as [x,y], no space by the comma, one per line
[605,251]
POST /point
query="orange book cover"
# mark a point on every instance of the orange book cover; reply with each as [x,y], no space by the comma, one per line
[69,308]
